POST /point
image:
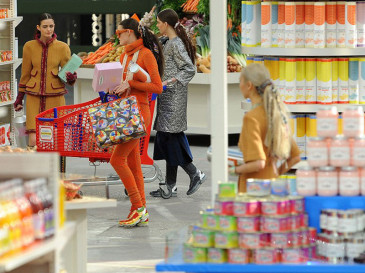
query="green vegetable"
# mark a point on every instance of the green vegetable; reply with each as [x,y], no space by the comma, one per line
[203,8]
[234,47]
[203,41]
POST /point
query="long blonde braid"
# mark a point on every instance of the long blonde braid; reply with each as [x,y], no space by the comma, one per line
[278,136]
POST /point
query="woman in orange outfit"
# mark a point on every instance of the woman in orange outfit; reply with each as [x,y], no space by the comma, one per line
[143,46]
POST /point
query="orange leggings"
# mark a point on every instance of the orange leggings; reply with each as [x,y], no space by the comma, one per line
[126,161]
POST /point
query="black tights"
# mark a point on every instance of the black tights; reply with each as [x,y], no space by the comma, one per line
[171,172]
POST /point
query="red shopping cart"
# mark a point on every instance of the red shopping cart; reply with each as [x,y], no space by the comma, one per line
[68,131]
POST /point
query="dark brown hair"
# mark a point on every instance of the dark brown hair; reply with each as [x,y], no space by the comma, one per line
[149,40]
[170,17]
[44,16]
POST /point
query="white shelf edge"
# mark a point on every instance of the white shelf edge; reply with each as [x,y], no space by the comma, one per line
[16,20]
[28,255]
[90,203]
[302,163]
[40,249]
[305,108]
[15,62]
[6,103]
[304,52]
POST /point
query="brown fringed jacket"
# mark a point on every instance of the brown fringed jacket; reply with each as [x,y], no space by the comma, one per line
[41,63]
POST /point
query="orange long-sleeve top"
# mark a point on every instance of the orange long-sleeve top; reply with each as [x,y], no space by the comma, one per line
[147,61]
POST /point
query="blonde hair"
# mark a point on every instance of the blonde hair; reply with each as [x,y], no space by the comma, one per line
[278,136]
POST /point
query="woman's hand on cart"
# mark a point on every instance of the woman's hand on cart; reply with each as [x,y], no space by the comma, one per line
[121,89]
[71,78]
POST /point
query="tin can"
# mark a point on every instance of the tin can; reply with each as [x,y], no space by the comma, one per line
[355,246]
[226,240]
[279,187]
[312,235]
[291,181]
[281,239]
[258,187]
[335,250]
[248,224]
[223,206]
[227,223]
[217,255]
[313,251]
[274,206]
[304,254]
[332,220]
[238,256]
[359,215]
[253,240]
[274,223]
[296,204]
[203,238]
[194,254]
[210,220]
[305,237]
[265,256]
[346,221]
[291,255]
[294,221]
[303,220]
[245,207]
[297,238]
[227,189]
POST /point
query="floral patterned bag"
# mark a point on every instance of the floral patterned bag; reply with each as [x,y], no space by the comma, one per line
[117,121]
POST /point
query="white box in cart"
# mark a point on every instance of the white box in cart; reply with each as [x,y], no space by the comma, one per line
[107,76]
[4,134]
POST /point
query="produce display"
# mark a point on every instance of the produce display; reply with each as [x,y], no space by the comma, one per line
[5,91]
[5,131]
[109,52]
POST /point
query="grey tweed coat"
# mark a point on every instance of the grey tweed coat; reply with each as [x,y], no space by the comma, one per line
[171,113]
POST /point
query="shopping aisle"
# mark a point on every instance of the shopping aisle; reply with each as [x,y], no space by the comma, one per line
[115,249]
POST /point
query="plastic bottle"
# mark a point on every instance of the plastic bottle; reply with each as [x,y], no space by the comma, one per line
[327,123]
[340,152]
[349,181]
[37,208]
[47,202]
[353,121]
[4,227]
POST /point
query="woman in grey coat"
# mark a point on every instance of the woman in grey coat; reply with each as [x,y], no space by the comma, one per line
[171,143]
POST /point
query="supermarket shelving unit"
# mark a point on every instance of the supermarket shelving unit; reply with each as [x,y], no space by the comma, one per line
[31,166]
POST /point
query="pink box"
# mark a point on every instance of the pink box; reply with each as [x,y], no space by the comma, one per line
[107,76]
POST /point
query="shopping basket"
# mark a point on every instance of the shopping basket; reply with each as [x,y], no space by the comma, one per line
[68,131]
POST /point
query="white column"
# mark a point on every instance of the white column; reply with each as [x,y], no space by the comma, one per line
[218,104]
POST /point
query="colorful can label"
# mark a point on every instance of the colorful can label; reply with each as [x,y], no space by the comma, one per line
[253,21]
[290,81]
[324,76]
[341,24]
[217,255]
[335,80]
[274,23]
[243,23]
[351,32]
[266,33]
[331,27]
[248,224]
[354,80]
[265,256]
[300,81]
[253,240]
[319,24]
[282,78]
[360,18]
[309,24]
[281,24]
[299,24]
[290,25]
[238,256]
[343,80]
[362,79]
[310,81]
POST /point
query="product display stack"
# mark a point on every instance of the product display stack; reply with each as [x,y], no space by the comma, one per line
[336,167]
[264,226]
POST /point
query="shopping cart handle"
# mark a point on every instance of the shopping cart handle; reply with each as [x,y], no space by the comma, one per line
[46,119]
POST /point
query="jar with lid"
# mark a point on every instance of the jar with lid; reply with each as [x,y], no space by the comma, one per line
[358,152]
[340,152]
[355,246]
[362,181]
[347,221]
[353,121]
[317,152]
[349,181]
[327,123]
[335,249]
[327,181]
[306,181]
[332,220]
[359,219]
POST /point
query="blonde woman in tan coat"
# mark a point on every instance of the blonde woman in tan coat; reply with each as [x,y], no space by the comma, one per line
[42,59]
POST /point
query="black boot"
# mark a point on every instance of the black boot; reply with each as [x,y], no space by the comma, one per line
[197,177]
[167,189]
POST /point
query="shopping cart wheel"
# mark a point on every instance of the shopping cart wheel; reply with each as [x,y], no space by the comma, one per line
[166,195]
[125,191]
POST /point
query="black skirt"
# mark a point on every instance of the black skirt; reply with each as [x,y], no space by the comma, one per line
[172,147]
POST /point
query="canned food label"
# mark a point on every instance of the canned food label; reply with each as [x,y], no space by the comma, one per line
[265,256]
[306,183]
[325,183]
[237,256]
[299,206]
[340,153]
[317,153]
[349,183]
[332,223]
[269,208]
[354,250]
[215,254]
[221,240]
[359,154]
[291,256]
[211,221]
[224,222]
[248,224]
[252,241]
[347,225]
[323,221]
[335,250]
[240,208]
[218,207]
[271,224]
[280,240]
[326,124]
[201,239]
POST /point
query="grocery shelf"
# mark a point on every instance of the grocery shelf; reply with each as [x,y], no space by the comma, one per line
[16,20]
[312,267]
[304,52]
[205,78]
[90,202]
[302,163]
[16,62]
[6,103]
[305,108]
[38,250]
